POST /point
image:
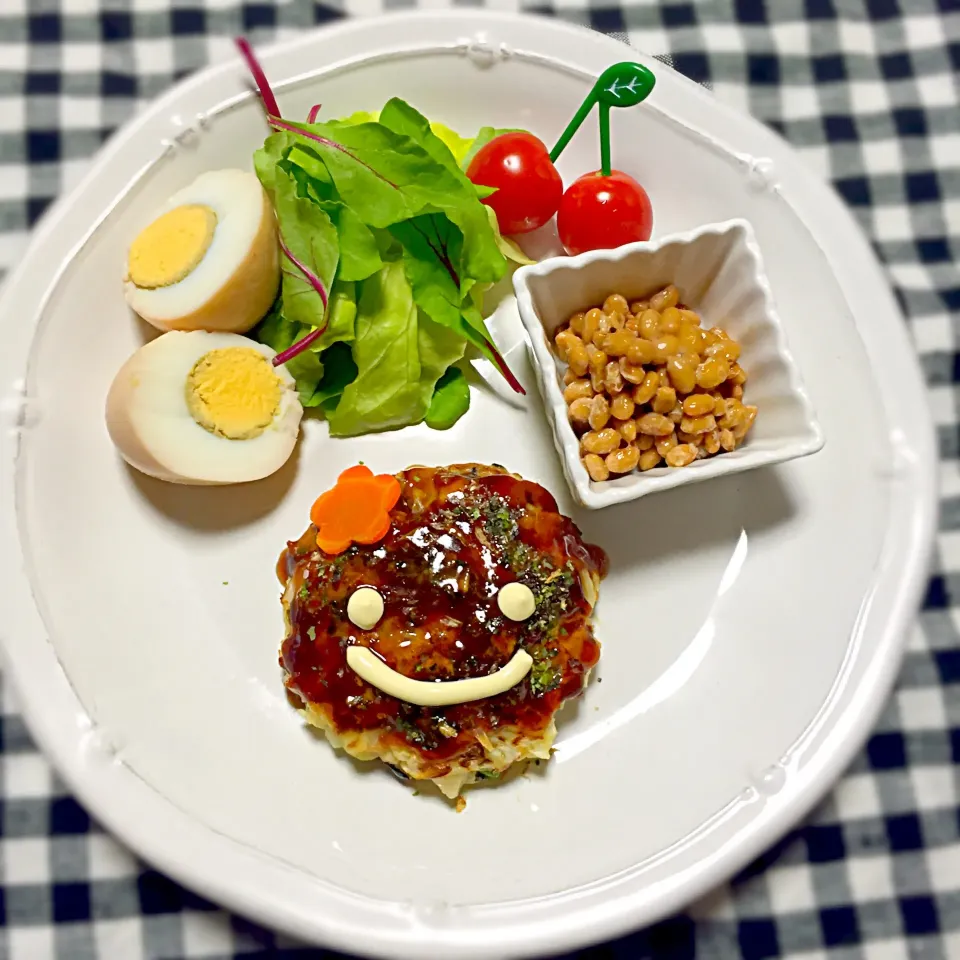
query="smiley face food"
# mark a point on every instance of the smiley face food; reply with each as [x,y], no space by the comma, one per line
[204,408]
[210,258]
[446,647]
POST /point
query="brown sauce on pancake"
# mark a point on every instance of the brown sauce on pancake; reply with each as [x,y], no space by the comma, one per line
[458,534]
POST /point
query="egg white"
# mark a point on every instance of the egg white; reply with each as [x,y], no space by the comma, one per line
[154,431]
[237,199]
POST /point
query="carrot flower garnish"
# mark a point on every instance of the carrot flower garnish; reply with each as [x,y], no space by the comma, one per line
[356,510]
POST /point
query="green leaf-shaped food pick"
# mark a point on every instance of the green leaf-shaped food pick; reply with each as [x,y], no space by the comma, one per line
[624,85]
[621,85]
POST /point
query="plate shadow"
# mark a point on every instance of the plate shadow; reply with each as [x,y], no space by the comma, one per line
[212,509]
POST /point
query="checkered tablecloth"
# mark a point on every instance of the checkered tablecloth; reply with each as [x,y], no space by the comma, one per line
[866,90]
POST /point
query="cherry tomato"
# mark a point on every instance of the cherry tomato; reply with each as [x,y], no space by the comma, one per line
[598,212]
[528,185]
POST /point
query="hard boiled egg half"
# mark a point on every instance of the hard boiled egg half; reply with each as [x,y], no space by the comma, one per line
[204,408]
[210,258]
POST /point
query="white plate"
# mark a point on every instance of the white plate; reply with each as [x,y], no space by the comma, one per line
[751,627]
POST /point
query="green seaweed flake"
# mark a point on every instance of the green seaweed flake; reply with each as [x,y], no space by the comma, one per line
[499,521]
[411,732]
[544,677]
[552,593]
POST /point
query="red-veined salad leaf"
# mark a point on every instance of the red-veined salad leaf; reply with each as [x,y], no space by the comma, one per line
[307,367]
[431,246]
[259,77]
[457,145]
[386,178]
[357,245]
[309,247]
[309,253]
[432,249]
[280,333]
[365,161]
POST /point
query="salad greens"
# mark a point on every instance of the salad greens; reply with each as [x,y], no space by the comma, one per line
[451,400]
[387,251]
[483,137]
[400,354]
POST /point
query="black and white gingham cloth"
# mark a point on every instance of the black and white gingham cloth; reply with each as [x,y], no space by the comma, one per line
[867,92]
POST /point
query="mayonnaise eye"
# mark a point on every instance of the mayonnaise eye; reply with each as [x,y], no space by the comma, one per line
[365,608]
[516,601]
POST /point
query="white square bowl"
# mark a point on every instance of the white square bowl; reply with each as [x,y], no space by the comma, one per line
[719,273]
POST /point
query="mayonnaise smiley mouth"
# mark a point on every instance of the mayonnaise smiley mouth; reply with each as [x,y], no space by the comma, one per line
[436,693]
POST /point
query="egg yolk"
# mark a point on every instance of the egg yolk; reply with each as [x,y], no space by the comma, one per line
[170,248]
[233,392]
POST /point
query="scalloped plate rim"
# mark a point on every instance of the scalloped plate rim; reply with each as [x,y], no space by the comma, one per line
[276,894]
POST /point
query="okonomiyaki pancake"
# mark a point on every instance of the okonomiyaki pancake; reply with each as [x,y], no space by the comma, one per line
[457,536]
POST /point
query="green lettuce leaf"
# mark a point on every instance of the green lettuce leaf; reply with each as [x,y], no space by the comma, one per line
[321,192]
[338,368]
[509,248]
[267,160]
[483,137]
[440,347]
[271,162]
[275,330]
[399,354]
[360,116]
[384,393]
[307,370]
[450,401]
[342,313]
[457,145]
[401,118]
[338,371]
